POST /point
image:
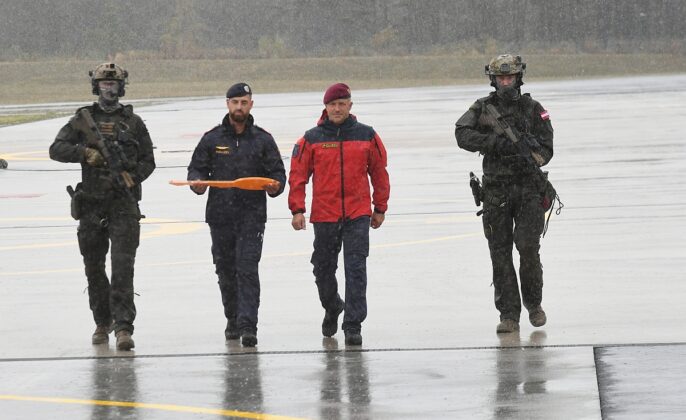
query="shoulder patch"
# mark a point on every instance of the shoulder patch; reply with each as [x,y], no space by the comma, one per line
[544,115]
[296,150]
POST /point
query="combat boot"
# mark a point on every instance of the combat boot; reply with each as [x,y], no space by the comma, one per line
[231,332]
[507,326]
[330,322]
[353,338]
[249,339]
[537,317]
[124,340]
[101,334]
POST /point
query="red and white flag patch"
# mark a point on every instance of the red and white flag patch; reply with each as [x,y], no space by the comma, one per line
[545,115]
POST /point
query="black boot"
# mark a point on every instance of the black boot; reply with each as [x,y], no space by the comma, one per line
[249,339]
[353,338]
[330,322]
[231,331]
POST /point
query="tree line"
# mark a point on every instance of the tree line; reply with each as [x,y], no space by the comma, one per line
[40,29]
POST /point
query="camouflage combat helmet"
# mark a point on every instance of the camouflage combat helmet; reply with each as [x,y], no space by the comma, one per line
[108,71]
[506,64]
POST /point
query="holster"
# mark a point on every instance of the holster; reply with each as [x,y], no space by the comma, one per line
[76,200]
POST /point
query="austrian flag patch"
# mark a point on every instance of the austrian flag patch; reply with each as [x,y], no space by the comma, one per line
[545,115]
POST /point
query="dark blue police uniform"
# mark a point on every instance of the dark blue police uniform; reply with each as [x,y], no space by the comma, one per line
[237,217]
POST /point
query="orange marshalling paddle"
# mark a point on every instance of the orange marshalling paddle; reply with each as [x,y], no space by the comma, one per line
[249,183]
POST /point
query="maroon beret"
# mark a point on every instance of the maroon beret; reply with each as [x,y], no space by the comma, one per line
[336,91]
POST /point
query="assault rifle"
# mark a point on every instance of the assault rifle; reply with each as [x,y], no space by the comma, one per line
[115,160]
[501,127]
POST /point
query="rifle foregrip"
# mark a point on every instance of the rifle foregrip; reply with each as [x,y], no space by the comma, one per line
[128,181]
[538,158]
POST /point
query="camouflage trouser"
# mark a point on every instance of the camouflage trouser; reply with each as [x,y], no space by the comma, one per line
[353,236]
[118,223]
[236,251]
[513,214]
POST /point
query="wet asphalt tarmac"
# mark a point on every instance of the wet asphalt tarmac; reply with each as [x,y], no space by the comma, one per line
[614,284]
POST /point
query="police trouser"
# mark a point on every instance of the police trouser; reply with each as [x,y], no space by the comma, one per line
[118,223]
[353,236]
[513,213]
[236,251]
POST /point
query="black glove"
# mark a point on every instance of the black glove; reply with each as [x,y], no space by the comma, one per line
[532,143]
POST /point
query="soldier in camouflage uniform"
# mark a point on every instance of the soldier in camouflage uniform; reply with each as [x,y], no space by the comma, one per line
[513,186]
[106,207]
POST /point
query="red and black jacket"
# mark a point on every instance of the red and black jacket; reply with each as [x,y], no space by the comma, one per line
[341,159]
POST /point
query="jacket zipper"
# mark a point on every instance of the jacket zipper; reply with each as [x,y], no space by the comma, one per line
[338,135]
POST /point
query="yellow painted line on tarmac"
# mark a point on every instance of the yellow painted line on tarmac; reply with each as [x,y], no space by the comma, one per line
[162,230]
[75,270]
[35,219]
[162,407]
[281,255]
[424,221]
[22,156]
[37,246]
[170,229]
[39,272]
[427,241]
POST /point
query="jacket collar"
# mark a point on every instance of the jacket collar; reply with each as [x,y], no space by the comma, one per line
[121,109]
[325,122]
[226,123]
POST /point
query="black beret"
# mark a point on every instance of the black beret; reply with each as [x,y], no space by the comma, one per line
[239,89]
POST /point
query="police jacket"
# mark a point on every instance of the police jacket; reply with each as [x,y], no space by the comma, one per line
[124,131]
[474,131]
[224,155]
[341,159]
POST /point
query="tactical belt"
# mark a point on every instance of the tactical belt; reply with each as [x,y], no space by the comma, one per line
[503,180]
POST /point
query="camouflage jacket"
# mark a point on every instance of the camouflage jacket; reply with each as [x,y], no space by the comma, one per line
[475,132]
[122,128]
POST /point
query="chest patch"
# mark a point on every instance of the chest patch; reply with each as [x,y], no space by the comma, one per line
[106,128]
[329,145]
[222,150]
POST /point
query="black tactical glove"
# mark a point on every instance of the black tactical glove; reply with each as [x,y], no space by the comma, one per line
[532,143]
